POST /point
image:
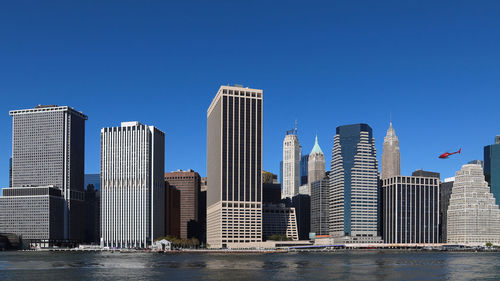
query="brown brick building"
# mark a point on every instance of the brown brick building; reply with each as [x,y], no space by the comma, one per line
[188,183]
[172,211]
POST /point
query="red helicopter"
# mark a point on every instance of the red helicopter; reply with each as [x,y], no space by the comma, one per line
[447,154]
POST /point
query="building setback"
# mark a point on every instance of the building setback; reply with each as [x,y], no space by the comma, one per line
[188,183]
[319,207]
[473,215]
[234,168]
[411,209]
[354,186]
[48,148]
[133,187]
[291,164]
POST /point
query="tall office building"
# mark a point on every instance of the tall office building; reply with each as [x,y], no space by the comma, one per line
[411,209]
[354,186]
[391,157]
[302,205]
[92,229]
[319,206]
[473,215]
[234,168]
[133,187]
[492,166]
[48,148]
[316,169]
[291,164]
[172,211]
[188,183]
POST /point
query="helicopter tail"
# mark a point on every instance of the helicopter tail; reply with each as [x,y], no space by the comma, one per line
[459,151]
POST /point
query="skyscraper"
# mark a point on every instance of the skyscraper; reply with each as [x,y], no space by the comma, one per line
[319,206]
[304,166]
[188,183]
[391,157]
[444,201]
[492,166]
[316,169]
[48,148]
[291,164]
[354,183]
[473,215]
[234,168]
[411,209]
[133,187]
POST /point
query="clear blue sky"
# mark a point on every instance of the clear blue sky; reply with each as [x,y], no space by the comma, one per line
[435,66]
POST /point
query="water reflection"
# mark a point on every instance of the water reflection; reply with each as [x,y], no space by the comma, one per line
[359,265]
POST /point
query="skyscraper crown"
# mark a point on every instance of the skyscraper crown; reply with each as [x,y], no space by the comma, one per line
[316,149]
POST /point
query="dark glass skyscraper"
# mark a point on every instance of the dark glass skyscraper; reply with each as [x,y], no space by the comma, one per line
[354,186]
[492,167]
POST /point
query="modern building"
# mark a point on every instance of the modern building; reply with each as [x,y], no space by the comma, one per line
[34,213]
[188,183]
[302,205]
[492,166]
[444,201]
[92,229]
[234,168]
[319,207]
[473,215]
[391,156]
[316,165]
[354,186]
[304,166]
[48,148]
[172,211]
[411,209]
[279,219]
[133,185]
[291,164]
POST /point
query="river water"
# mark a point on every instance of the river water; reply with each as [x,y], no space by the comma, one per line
[344,265]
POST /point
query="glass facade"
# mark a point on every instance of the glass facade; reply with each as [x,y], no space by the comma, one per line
[492,168]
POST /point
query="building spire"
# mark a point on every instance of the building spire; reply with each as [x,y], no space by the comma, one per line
[316,148]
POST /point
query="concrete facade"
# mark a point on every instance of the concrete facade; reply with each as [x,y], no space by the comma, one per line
[133,185]
[319,206]
[291,164]
[234,168]
[48,148]
[473,215]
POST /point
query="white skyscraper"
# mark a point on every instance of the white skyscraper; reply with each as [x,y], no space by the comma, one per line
[291,164]
[473,215]
[391,157]
[133,185]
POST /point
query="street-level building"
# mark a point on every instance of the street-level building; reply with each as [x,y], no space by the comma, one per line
[133,185]
[279,219]
[36,214]
[234,168]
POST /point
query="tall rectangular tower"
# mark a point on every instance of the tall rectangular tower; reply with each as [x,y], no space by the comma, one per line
[234,168]
[48,149]
[492,166]
[354,186]
[291,164]
[132,185]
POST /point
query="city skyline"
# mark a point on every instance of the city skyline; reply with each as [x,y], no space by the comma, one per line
[105,71]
